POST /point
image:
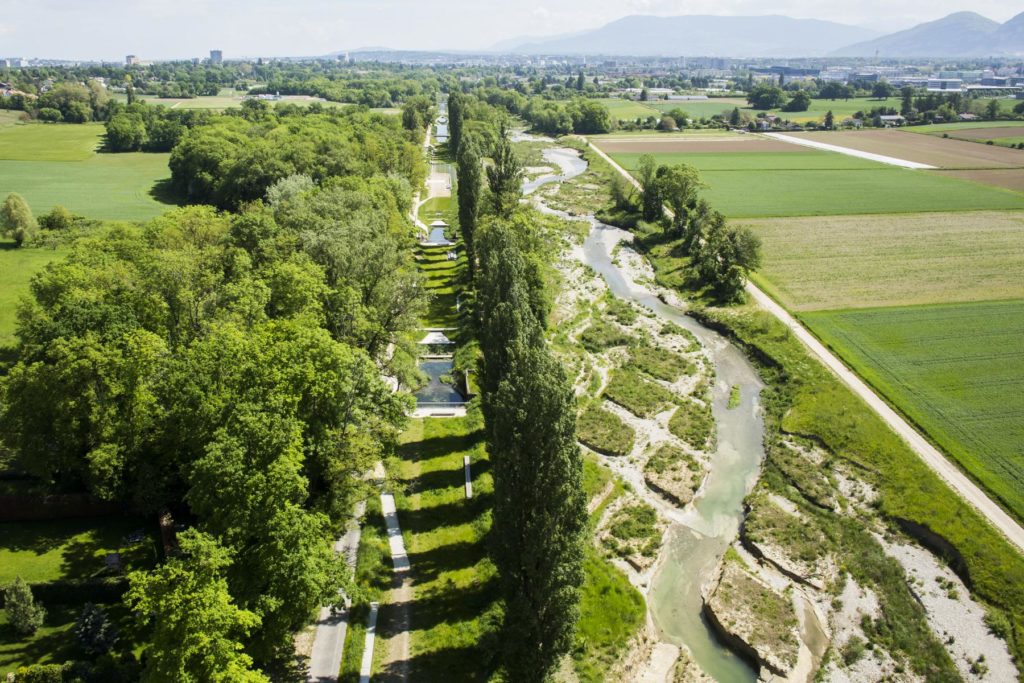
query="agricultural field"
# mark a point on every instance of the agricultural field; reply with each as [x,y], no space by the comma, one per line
[628,110]
[724,105]
[17,266]
[924,149]
[701,109]
[817,263]
[52,164]
[957,370]
[939,128]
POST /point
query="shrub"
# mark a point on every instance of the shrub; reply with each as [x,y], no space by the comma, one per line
[43,673]
[694,424]
[603,432]
[94,630]
[603,335]
[639,396]
[50,115]
[25,615]
[660,363]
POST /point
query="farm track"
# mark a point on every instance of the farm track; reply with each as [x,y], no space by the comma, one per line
[931,456]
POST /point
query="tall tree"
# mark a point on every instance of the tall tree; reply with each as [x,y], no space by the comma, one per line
[539,509]
[196,625]
[677,187]
[830,120]
[456,115]
[16,219]
[470,188]
[504,178]
[650,200]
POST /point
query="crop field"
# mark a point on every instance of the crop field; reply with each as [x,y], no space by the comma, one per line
[740,194]
[57,164]
[1008,178]
[686,143]
[940,128]
[699,109]
[925,149]
[819,263]
[743,160]
[628,110]
[957,370]
[17,266]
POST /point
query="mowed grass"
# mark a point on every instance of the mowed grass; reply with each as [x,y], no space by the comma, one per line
[702,109]
[57,164]
[838,262]
[17,266]
[53,643]
[441,280]
[955,370]
[50,141]
[454,581]
[68,549]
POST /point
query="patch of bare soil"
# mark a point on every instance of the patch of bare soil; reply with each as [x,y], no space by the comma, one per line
[924,149]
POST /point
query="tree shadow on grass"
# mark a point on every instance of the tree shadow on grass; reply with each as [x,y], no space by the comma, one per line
[449,478]
[438,446]
[453,606]
[452,514]
[57,645]
[430,564]
[164,192]
[445,665]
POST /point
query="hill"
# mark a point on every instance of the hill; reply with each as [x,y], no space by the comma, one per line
[962,34]
[706,36]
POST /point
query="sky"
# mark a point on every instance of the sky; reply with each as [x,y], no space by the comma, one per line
[177,29]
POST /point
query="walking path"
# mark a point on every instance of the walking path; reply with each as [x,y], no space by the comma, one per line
[931,456]
[366,666]
[331,626]
[881,158]
[399,607]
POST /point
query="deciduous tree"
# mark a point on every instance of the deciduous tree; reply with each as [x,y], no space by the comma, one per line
[16,219]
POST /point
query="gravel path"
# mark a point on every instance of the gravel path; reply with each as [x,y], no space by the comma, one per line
[931,456]
[881,158]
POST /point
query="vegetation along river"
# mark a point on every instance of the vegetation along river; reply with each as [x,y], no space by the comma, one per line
[698,542]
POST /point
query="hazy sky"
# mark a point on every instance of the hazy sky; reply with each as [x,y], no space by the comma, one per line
[163,29]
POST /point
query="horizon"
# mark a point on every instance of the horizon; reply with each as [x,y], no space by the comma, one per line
[321,27]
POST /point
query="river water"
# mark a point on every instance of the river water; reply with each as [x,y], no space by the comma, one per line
[697,543]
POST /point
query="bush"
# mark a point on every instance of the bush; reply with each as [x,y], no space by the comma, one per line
[25,615]
[59,218]
[603,335]
[603,432]
[643,398]
[660,363]
[50,115]
[43,673]
[94,630]
[694,424]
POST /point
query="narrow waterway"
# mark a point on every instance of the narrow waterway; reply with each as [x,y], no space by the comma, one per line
[712,522]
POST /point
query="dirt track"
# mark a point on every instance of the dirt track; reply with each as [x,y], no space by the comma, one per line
[923,149]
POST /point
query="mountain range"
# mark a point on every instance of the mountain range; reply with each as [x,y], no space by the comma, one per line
[963,34]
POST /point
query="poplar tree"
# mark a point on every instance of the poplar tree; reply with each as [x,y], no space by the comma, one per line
[539,514]
[505,178]
[470,188]
[456,114]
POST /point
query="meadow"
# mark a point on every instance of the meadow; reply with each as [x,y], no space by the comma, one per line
[964,126]
[701,109]
[818,263]
[51,164]
[839,108]
[17,266]
[956,370]
[741,160]
[628,110]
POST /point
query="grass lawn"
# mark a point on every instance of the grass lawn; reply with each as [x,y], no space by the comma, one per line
[629,110]
[702,109]
[740,160]
[455,584]
[50,141]
[68,549]
[956,370]
[9,117]
[442,277]
[17,266]
[838,262]
[435,208]
[51,644]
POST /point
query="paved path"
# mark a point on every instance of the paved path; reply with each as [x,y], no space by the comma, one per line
[469,478]
[881,158]
[366,665]
[329,642]
[931,456]
[395,666]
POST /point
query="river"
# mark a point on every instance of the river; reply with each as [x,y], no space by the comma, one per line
[698,541]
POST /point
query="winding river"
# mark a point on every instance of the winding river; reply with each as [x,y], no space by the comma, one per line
[697,541]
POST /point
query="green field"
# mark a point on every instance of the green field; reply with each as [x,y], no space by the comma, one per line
[740,194]
[829,263]
[227,98]
[839,108]
[752,161]
[17,266]
[50,141]
[57,164]
[699,109]
[628,110]
[956,370]
[10,117]
[967,125]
